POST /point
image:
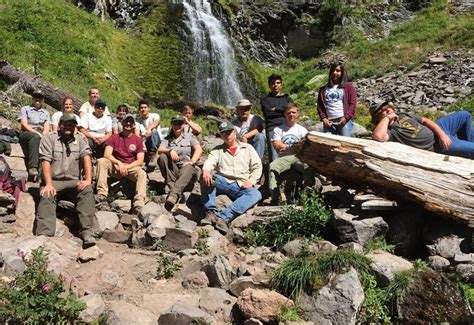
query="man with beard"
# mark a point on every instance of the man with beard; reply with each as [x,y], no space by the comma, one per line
[67,174]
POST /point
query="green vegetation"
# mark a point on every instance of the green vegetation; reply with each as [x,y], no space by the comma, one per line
[75,50]
[37,295]
[306,221]
[468,291]
[167,266]
[202,247]
[289,314]
[379,243]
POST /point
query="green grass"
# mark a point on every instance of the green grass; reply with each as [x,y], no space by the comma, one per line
[379,243]
[75,50]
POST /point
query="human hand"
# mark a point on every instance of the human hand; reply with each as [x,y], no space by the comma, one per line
[82,185]
[189,162]
[444,141]
[186,120]
[174,156]
[247,184]
[342,121]
[207,177]
[48,191]
[327,123]
[243,139]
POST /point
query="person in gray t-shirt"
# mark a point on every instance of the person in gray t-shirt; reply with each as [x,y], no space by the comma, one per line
[178,154]
[34,121]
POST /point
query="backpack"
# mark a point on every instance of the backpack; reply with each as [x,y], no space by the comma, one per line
[10,184]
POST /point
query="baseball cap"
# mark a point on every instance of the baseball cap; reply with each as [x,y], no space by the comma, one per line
[100,103]
[225,126]
[177,118]
[38,93]
[67,118]
[243,103]
[127,117]
[377,105]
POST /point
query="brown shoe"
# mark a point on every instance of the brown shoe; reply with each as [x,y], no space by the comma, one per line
[171,201]
[221,226]
[87,240]
[211,218]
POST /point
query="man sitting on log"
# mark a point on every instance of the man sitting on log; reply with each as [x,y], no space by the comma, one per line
[450,135]
[34,121]
[232,168]
[123,157]
[284,136]
[67,173]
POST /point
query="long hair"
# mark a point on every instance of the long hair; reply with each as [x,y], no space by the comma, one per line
[344,74]
[64,102]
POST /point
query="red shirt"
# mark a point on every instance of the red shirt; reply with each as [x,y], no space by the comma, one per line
[125,148]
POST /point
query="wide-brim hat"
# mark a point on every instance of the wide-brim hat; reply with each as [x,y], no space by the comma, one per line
[377,105]
[243,103]
[38,93]
[67,118]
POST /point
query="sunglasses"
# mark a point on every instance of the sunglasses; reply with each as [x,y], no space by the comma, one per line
[226,133]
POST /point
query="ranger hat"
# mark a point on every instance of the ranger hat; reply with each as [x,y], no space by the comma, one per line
[127,117]
[377,105]
[225,126]
[177,118]
[243,103]
[67,118]
[100,103]
[37,93]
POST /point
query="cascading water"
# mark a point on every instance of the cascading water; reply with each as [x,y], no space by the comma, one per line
[213,64]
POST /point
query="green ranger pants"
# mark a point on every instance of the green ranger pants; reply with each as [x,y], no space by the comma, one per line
[29,142]
[283,164]
[66,190]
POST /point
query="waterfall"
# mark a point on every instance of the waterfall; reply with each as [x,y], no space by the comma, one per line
[213,65]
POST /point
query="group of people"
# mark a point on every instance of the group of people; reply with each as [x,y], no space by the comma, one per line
[122,145]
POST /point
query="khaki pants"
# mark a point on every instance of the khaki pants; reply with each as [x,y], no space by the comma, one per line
[177,178]
[85,207]
[136,174]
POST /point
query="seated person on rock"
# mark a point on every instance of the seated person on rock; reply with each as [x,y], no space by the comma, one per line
[123,158]
[68,108]
[97,128]
[190,126]
[34,122]
[249,127]
[122,110]
[178,154]
[284,136]
[450,135]
[67,174]
[150,130]
[89,106]
[232,168]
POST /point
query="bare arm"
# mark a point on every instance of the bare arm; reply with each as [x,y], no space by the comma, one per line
[197,153]
[279,146]
[45,128]
[138,162]
[105,137]
[26,126]
[380,132]
[48,189]
[108,154]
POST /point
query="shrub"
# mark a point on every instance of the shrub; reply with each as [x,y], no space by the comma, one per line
[202,247]
[36,295]
[306,221]
[167,266]
[379,243]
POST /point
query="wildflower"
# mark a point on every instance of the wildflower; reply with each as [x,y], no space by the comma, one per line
[21,253]
[46,287]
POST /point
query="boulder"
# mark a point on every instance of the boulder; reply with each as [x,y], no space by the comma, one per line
[90,254]
[157,228]
[438,263]
[184,223]
[336,303]
[263,305]
[433,297]
[446,247]
[117,236]
[352,229]
[179,239]
[95,307]
[356,247]
[123,313]
[244,282]
[218,271]
[217,243]
[195,280]
[183,314]
[385,265]
[218,303]
[150,211]
[466,272]
[161,303]
[106,220]
[122,205]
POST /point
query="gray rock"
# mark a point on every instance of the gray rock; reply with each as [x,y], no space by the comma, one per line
[195,280]
[356,247]
[385,265]
[244,282]
[179,239]
[405,230]
[336,303]
[161,303]
[90,254]
[106,220]
[437,60]
[150,211]
[350,229]
[446,247]
[95,307]
[123,205]
[218,303]
[438,263]
[183,314]
[117,236]
[123,313]
[184,223]
[157,228]
[466,272]
[293,248]
[218,271]
[463,258]
[263,305]
[217,243]
[13,265]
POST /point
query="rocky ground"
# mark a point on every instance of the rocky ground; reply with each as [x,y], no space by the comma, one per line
[222,279]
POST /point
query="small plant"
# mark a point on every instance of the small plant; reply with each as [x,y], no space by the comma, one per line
[167,266]
[157,244]
[289,314]
[306,221]
[202,247]
[203,233]
[37,295]
[379,243]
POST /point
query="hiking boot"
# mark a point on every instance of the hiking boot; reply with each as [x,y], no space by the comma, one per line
[211,218]
[136,210]
[99,198]
[33,172]
[171,201]
[153,162]
[221,226]
[87,240]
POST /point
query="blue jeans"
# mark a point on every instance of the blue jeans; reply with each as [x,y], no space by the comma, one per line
[337,129]
[153,142]
[258,142]
[244,199]
[458,127]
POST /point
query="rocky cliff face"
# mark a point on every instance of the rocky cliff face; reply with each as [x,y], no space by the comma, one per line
[123,12]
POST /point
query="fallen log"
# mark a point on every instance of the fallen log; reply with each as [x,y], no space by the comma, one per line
[53,95]
[441,184]
[199,109]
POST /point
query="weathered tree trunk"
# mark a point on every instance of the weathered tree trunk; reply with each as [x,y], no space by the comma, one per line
[442,184]
[199,109]
[52,95]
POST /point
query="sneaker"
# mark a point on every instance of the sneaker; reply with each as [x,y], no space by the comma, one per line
[221,226]
[211,218]
[87,240]
[33,172]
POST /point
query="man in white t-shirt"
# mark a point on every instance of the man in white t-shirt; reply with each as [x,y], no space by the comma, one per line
[88,107]
[249,127]
[284,136]
[150,131]
[97,127]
